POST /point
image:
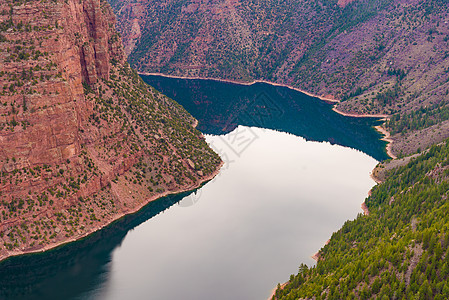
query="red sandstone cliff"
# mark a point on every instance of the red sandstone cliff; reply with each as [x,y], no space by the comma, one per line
[73,40]
[82,139]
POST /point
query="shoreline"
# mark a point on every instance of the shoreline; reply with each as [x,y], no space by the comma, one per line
[139,206]
[333,101]
[383,117]
[373,177]
[365,208]
[273,292]
[386,138]
[380,129]
[323,98]
[316,257]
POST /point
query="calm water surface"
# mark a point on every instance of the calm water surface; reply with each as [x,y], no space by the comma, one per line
[268,210]
[221,106]
[276,201]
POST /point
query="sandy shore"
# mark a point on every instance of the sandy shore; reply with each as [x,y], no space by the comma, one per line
[316,256]
[274,290]
[118,216]
[387,139]
[378,116]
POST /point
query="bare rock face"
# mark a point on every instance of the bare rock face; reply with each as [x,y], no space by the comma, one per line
[68,44]
[82,139]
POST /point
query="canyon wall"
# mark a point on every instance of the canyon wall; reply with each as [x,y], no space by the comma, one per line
[82,139]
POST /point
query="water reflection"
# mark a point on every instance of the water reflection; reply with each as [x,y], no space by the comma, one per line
[271,207]
[73,270]
[220,107]
[276,201]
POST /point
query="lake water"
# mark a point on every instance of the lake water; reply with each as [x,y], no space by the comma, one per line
[220,107]
[276,201]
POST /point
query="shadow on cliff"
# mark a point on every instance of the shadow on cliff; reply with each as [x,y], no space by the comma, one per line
[71,271]
[221,106]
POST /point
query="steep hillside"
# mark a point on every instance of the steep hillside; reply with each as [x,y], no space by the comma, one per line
[382,56]
[83,140]
[400,250]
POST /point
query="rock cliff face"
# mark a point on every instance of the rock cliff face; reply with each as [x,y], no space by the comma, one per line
[45,61]
[82,139]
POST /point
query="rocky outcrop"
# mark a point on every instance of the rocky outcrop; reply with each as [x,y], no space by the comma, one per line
[82,139]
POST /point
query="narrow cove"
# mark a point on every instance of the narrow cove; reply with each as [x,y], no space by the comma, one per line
[282,192]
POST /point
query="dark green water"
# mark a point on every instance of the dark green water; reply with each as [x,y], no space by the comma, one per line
[73,269]
[276,201]
[220,107]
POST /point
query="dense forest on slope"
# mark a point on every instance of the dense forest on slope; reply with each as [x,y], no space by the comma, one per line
[376,57]
[399,251]
[382,56]
[83,140]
